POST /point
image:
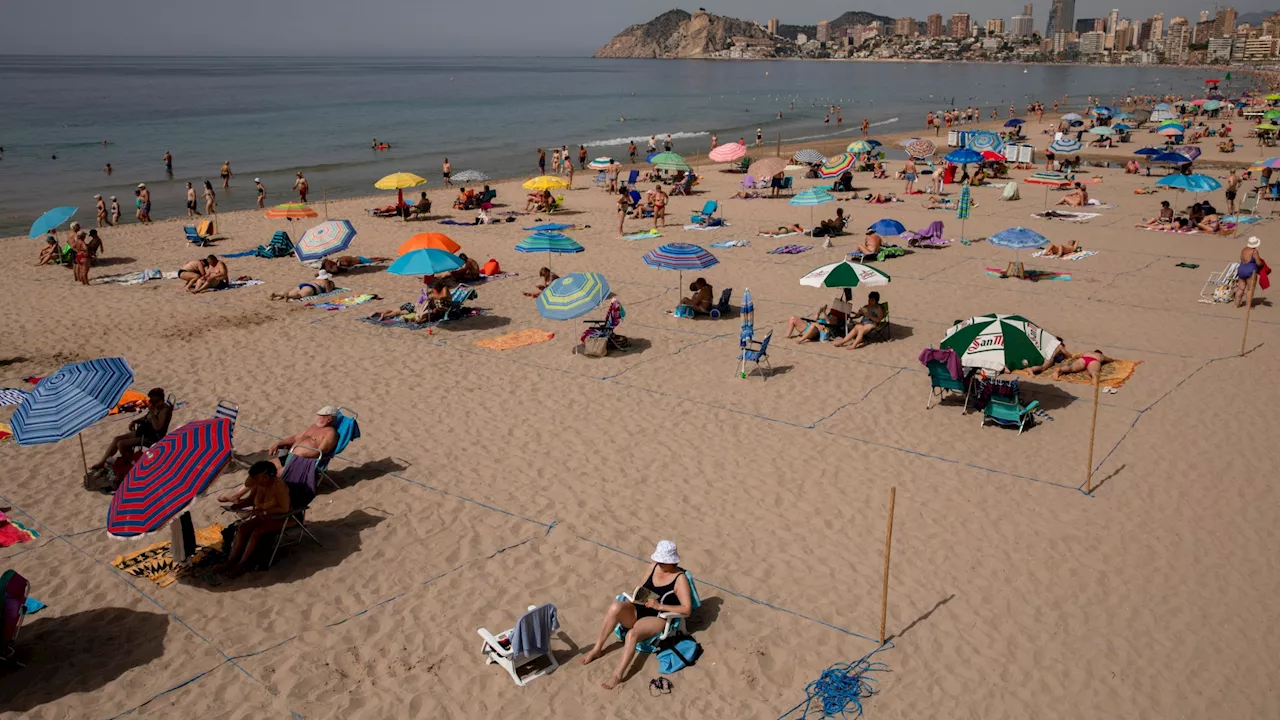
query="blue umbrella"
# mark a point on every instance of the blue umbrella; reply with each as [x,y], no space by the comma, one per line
[427,261]
[1122,115]
[1161,106]
[748,330]
[1148,151]
[1122,127]
[1014,122]
[1191,183]
[549,242]
[550,227]
[70,400]
[572,296]
[1170,157]
[1071,116]
[963,156]
[888,226]
[1018,238]
[1066,144]
[681,257]
[51,220]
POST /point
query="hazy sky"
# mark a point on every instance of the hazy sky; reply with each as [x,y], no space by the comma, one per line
[427,27]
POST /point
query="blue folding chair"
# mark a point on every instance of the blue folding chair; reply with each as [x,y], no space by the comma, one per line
[633,178]
[194,237]
[757,354]
[708,210]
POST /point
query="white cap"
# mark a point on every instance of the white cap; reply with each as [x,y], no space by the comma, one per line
[665,553]
[97,197]
[142,184]
[324,275]
[1253,242]
[327,411]
[257,179]
[113,197]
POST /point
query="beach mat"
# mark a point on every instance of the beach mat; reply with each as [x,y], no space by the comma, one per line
[397,323]
[155,562]
[1113,374]
[344,303]
[646,235]
[1077,255]
[11,396]
[1032,275]
[1065,216]
[514,340]
[790,249]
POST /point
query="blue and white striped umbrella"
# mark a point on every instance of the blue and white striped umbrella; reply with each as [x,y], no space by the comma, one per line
[1018,238]
[679,256]
[980,140]
[572,296]
[1066,144]
[812,196]
[70,400]
[809,157]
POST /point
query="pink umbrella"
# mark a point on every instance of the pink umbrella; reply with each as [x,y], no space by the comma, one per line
[1170,132]
[727,152]
[1198,101]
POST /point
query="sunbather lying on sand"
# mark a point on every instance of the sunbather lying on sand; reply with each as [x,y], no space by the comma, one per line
[1060,250]
[1090,362]
[665,589]
[334,265]
[881,198]
[321,285]
[782,230]
[1059,355]
[746,194]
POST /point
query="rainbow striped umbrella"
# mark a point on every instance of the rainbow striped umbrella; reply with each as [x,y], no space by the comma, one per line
[290,211]
[836,165]
[573,296]
[1272,163]
[168,477]
[327,238]
[920,148]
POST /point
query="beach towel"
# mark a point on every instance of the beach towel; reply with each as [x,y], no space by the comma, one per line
[398,322]
[716,225]
[775,236]
[237,284]
[1065,215]
[732,244]
[241,254]
[134,278]
[1113,374]
[1077,255]
[309,298]
[499,276]
[790,249]
[6,432]
[32,606]
[514,340]
[1170,229]
[1098,204]
[130,401]
[344,303]
[12,532]
[1032,275]
[532,633]
[1242,219]
[11,396]
[646,235]
[156,564]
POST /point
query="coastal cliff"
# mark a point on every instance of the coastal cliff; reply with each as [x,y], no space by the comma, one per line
[679,34]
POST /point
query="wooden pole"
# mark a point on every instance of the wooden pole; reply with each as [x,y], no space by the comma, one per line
[1248,307]
[778,150]
[325,197]
[884,586]
[1093,424]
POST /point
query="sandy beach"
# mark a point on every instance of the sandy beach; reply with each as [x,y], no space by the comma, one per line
[486,481]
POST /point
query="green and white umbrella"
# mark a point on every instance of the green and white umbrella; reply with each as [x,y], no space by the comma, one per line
[845,274]
[1000,342]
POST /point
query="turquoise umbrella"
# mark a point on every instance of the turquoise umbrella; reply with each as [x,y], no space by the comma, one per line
[573,296]
[51,220]
[548,242]
[963,207]
[811,197]
[427,261]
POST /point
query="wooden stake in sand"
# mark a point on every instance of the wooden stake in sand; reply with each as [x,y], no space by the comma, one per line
[1248,306]
[324,196]
[884,586]
[778,150]
[1088,471]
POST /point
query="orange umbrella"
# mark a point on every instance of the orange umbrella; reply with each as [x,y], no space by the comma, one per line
[290,211]
[421,241]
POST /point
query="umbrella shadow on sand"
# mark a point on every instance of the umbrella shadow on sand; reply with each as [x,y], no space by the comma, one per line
[79,653]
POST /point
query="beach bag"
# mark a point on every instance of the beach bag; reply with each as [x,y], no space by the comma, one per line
[677,652]
[490,268]
[595,346]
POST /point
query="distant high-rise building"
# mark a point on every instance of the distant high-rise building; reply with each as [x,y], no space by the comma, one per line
[1157,27]
[824,31]
[1060,41]
[1219,50]
[773,26]
[1202,31]
[995,26]
[1224,22]
[1062,16]
[1144,34]
[1204,15]
[958,26]
[1176,44]
[1112,19]
[934,23]
[1271,26]
[1093,42]
[1026,10]
[1084,25]
[906,27]
[1119,39]
[1021,25]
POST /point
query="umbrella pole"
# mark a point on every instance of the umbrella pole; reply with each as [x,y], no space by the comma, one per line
[1093,424]
[1247,308]
[884,585]
[83,461]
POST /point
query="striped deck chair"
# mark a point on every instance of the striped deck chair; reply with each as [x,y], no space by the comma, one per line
[230,411]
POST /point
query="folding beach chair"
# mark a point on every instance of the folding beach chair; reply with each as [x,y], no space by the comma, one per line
[604,330]
[13,599]
[757,354]
[674,621]
[602,178]
[685,187]
[523,667]
[788,185]
[194,237]
[883,329]
[348,428]
[1006,410]
[708,210]
[927,238]
[228,410]
[632,178]
[941,382]
[1220,287]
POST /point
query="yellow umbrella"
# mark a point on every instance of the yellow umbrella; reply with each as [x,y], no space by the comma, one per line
[399,181]
[546,182]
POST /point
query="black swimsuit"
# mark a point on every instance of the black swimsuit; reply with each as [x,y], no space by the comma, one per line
[660,593]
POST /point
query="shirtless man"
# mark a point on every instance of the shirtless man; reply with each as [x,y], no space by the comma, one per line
[319,438]
[866,124]
[214,277]
[191,201]
[145,196]
[1233,185]
[168,163]
[301,186]
[659,207]
[446,169]
[909,174]
[226,173]
[265,496]
[870,244]
[145,431]
[102,211]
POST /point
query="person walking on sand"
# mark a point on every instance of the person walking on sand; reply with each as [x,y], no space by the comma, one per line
[555,160]
[210,199]
[191,201]
[447,171]
[624,204]
[909,174]
[542,161]
[582,157]
[659,208]
[631,150]
[168,163]
[713,141]
[115,211]
[759,137]
[866,125]
[226,173]
[262,192]
[1251,263]
[301,186]
[82,259]
[568,169]
[102,211]
[1233,184]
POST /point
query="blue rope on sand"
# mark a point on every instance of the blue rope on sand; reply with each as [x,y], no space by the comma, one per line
[841,688]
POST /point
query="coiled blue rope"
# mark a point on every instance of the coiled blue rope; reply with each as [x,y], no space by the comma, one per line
[841,688]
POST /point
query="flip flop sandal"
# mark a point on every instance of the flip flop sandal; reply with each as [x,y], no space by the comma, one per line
[660,686]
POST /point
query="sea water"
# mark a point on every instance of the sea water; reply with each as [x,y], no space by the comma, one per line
[272,117]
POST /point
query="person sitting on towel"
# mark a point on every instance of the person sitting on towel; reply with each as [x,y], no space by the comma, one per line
[699,296]
[836,225]
[270,503]
[1076,198]
[317,440]
[469,272]
[145,431]
[870,244]
[866,319]
[215,277]
[665,588]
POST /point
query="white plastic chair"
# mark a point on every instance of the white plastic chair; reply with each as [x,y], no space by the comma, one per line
[523,670]
[1217,280]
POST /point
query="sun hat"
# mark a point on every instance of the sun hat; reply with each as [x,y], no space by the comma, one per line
[1253,242]
[327,410]
[113,197]
[97,197]
[665,553]
[324,275]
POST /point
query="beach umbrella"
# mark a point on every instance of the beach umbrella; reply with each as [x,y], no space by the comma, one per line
[1014,122]
[766,168]
[470,176]
[1171,131]
[400,181]
[679,257]
[548,242]
[1066,144]
[810,198]
[965,205]
[1264,126]
[168,477]
[1122,115]
[327,238]
[837,165]
[545,227]
[1271,114]
[1142,115]
[992,156]
[1076,123]
[863,146]
[963,156]
[601,163]
[1071,116]
[1212,104]
[290,211]
[920,148]
[422,241]
[1048,178]
[545,182]
[1191,152]
[427,261]
[809,157]
[669,161]
[888,227]
[70,400]
[980,140]
[1191,183]
[572,296]
[847,275]
[1163,115]
[1103,130]
[1148,151]
[1272,163]
[1161,106]
[1170,157]
[51,220]
[1000,342]
[748,329]
[1018,238]
[727,152]
[1100,111]
[1272,97]
[1121,127]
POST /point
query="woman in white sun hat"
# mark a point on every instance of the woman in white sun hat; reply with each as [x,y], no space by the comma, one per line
[1250,263]
[665,588]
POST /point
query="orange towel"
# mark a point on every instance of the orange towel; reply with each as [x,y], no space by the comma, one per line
[510,341]
[131,401]
[1114,374]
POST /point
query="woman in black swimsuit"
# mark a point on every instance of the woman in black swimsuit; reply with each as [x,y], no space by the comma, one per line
[665,590]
